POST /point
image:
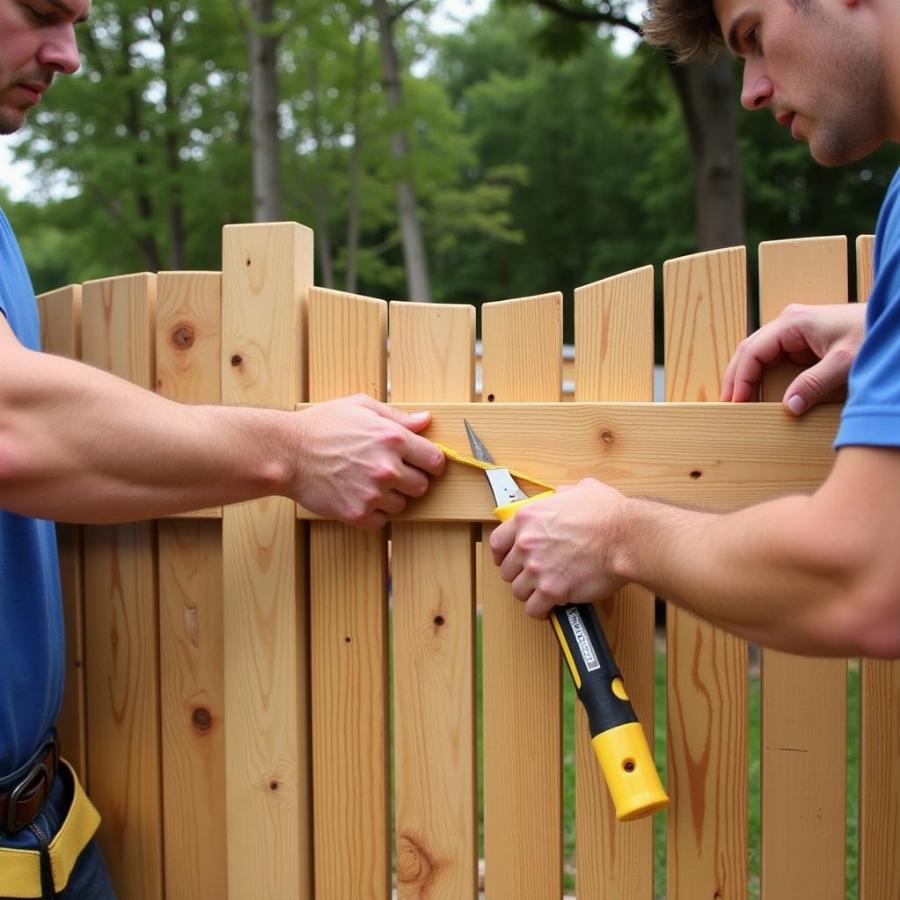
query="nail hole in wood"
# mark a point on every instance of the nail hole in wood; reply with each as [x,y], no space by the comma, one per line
[201,719]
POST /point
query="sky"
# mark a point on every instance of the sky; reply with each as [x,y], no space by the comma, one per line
[14,177]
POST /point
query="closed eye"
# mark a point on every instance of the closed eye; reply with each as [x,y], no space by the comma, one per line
[751,38]
[38,15]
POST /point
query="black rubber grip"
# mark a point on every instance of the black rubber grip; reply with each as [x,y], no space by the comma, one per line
[596,667]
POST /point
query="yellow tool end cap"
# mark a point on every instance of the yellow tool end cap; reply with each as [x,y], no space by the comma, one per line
[629,771]
[505,513]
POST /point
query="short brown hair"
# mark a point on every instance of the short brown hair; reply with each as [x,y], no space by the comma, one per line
[689,27]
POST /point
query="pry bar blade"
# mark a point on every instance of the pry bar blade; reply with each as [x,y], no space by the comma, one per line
[504,487]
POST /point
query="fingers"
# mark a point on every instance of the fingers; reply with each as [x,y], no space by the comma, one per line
[502,539]
[743,374]
[804,335]
[415,451]
[422,454]
[817,383]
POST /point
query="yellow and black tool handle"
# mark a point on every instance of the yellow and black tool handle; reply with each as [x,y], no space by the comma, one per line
[616,734]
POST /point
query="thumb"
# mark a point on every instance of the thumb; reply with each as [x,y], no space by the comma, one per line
[813,385]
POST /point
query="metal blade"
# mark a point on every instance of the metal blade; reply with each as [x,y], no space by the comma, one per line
[504,487]
[479,451]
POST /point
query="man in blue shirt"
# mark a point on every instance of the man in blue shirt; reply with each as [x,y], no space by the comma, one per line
[353,459]
[819,574]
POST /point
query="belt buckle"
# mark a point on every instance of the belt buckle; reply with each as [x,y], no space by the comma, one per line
[32,779]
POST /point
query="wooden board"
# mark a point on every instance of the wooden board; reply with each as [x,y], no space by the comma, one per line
[189,344]
[266,273]
[705,315]
[715,455]
[121,621]
[61,335]
[521,659]
[614,361]
[879,753]
[188,348]
[433,612]
[804,701]
[348,628]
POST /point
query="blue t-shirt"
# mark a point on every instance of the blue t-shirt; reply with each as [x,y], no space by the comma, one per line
[871,415]
[32,651]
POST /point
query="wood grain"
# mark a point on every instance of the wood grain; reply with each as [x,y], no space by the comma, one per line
[804,701]
[614,361]
[879,791]
[60,313]
[433,612]
[705,315]
[189,344]
[122,621]
[348,627]
[521,659]
[188,349]
[714,455]
[266,274]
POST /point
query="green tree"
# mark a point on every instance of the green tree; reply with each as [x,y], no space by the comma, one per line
[132,138]
[586,171]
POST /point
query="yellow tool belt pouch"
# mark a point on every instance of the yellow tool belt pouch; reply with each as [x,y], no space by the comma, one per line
[20,870]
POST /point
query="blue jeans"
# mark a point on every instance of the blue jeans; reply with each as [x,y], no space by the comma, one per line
[89,879]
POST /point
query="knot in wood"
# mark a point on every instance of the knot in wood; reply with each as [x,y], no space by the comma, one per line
[201,719]
[236,360]
[414,864]
[607,437]
[182,336]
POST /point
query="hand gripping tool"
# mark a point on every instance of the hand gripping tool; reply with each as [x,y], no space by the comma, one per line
[616,735]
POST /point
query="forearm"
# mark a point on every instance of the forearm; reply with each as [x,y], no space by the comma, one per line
[776,573]
[78,444]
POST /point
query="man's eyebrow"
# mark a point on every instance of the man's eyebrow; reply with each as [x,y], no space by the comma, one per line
[732,39]
[67,10]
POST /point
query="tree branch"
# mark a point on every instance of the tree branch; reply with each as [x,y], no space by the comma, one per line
[600,16]
[403,9]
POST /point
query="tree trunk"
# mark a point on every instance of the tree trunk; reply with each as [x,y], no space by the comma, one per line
[177,233]
[146,213]
[262,43]
[353,198]
[707,93]
[320,189]
[414,255]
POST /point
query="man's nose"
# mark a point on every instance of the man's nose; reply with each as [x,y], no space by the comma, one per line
[757,89]
[59,51]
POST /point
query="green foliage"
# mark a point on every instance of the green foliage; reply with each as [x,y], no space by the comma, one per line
[533,172]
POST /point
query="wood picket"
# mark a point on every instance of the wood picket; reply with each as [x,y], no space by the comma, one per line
[804,701]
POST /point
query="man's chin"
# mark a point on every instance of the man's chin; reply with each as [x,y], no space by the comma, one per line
[828,151]
[11,120]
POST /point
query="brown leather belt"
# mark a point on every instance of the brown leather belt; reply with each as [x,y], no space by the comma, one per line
[21,804]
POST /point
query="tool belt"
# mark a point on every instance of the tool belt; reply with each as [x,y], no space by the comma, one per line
[30,787]
[20,869]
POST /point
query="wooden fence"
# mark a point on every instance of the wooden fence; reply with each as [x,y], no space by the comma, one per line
[259,712]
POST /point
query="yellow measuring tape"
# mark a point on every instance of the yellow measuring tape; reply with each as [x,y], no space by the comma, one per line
[456,456]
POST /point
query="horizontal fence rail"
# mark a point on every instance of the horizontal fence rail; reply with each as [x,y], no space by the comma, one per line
[266,705]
